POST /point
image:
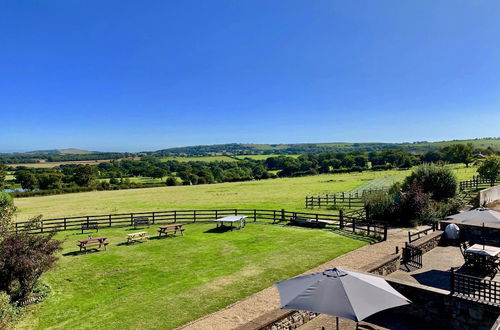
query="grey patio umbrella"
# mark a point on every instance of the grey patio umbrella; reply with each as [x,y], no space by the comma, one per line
[477,216]
[481,215]
[339,292]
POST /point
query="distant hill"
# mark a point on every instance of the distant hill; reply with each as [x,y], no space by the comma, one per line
[68,151]
[298,148]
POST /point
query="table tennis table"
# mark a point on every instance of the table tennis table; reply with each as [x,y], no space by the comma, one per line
[233,219]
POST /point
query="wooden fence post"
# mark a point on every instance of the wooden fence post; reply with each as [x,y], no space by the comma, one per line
[64,223]
[131,219]
[175,216]
[385,232]
[16,227]
[153,218]
[254,215]
[353,224]
[282,214]
[110,220]
[216,214]
[235,211]
[341,219]
[194,215]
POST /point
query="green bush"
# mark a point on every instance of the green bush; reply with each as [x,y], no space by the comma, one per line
[7,311]
[379,205]
[5,199]
[171,181]
[438,181]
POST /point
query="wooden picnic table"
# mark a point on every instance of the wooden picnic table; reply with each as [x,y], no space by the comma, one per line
[95,242]
[171,228]
[136,237]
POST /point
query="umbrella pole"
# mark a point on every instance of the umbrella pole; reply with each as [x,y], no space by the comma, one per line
[337,322]
[483,235]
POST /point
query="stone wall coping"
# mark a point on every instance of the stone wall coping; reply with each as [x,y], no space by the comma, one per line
[427,238]
[417,285]
[380,263]
[266,319]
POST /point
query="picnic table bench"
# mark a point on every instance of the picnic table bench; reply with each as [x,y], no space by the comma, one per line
[141,221]
[136,237]
[171,229]
[92,242]
[90,225]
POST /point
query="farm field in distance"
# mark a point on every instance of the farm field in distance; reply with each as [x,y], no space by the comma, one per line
[45,164]
[164,283]
[287,193]
[223,158]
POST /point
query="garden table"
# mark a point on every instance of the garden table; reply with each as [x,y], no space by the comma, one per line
[239,219]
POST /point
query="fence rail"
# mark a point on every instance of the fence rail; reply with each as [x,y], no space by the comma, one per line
[412,237]
[355,222]
[472,287]
[477,182]
[342,199]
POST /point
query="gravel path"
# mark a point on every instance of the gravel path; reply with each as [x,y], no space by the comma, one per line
[266,300]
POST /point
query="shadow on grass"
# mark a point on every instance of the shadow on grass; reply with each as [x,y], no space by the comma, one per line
[77,253]
[219,230]
[165,236]
[351,235]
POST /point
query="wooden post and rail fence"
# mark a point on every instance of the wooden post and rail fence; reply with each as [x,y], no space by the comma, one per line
[355,199]
[351,221]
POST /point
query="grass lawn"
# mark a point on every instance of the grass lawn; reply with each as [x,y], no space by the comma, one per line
[287,193]
[164,283]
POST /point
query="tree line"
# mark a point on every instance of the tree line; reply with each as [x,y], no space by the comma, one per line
[117,174]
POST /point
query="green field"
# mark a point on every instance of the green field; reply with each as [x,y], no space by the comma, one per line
[287,193]
[222,158]
[263,157]
[200,159]
[164,283]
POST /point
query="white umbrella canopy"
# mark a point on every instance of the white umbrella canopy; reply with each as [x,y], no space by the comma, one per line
[477,216]
[339,292]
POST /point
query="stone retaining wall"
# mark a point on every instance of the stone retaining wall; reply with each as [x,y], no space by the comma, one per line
[384,266]
[279,319]
[445,310]
[429,241]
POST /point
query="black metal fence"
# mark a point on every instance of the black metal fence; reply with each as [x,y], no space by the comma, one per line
[351,222]
[472,287]
[412,256]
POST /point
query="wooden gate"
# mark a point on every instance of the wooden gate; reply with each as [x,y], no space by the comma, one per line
[412,256]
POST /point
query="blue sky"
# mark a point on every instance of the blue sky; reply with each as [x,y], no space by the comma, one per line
[145,75]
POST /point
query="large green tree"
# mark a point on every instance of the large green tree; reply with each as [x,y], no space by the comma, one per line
[490,168]
[459,153]
[26,179]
